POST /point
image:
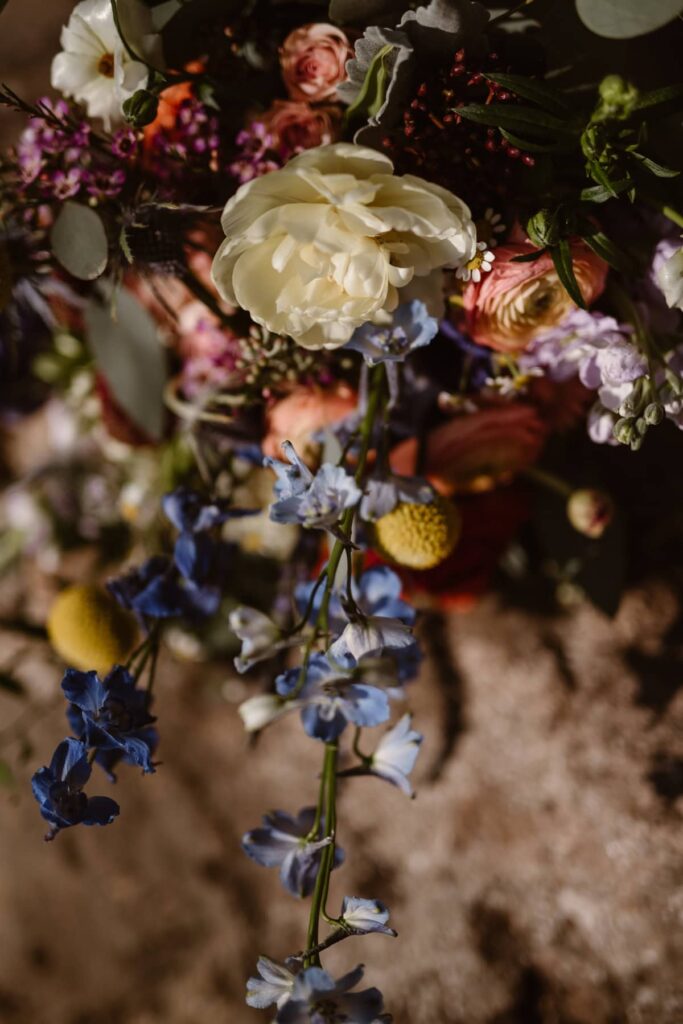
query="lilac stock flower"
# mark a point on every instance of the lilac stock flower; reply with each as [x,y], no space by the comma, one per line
[412,327]
[316,998]
[590,345]
[59,791]
[111,715]
[282,842]
[313,501]
[365,916]
[273,986]
[330,698]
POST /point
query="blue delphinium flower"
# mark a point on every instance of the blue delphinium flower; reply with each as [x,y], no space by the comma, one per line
[59,791]
[331,698]
[273,986]
[376,592]
[412,327]
[365,916]
[156,590]
[316,998]
[381,496]
[282,842]
[196,553]
[111,714]
[312,501]
[396,753]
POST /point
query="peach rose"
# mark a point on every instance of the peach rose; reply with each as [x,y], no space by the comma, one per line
[313,60]
[475,452]
[296,126]
[302,413]
[515,301]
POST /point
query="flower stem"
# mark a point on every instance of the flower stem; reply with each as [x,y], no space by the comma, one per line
[322,882]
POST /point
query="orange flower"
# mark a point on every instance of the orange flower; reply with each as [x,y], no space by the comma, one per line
[513,302]
[476,452]
[302,413]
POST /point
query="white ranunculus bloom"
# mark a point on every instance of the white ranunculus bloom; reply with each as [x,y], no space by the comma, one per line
[94,66]
[334,240]
[670,279]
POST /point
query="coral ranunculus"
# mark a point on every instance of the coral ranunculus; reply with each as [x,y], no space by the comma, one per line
[515,301]
[331,241]
[300,415]
[476,452]
[313,60]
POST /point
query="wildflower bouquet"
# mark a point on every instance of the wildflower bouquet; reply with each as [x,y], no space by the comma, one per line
[325,293]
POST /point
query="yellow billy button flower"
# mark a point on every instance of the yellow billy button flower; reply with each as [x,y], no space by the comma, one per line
[89,630]
[419,536]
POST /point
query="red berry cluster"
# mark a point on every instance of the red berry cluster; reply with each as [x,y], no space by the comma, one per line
[432,140]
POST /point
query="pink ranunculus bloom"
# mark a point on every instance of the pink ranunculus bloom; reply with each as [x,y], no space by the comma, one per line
[475,452]
[301,414]
[313,60]
[515,301]
[296,126]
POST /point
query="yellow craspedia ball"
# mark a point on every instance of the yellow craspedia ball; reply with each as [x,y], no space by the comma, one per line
[419,536]
[89,630]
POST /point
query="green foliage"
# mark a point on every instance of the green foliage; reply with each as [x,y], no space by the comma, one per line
[374,89]
[79,241]
[626,19]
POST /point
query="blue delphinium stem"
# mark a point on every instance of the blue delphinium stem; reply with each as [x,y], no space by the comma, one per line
[327,803]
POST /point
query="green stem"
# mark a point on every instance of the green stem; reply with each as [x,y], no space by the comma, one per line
[548,480]
[322,882]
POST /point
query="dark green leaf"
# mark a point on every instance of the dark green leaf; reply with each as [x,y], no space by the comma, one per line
[529,257]
[600,194]
[9,684]
[536,147]
[502,115]
[654,168]
[562,259]
[670,96]
[531,89]
[605,248]
[599,174]
[374,88]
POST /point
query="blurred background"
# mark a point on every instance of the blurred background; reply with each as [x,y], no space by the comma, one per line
[536,879]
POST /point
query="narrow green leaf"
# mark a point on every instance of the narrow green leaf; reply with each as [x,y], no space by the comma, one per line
[500,115]
[529,257]
[562,260]
[605,248]
[654,168]
[373,91]
[532,89]
[600,194]
[599,174]
[668,95]
[536,147]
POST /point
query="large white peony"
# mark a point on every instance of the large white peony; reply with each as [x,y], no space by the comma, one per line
[334,240]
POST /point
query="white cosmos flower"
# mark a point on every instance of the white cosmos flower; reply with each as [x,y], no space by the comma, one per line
[334,240]
[94,66]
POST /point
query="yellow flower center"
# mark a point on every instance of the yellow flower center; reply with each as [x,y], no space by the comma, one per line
[419,536]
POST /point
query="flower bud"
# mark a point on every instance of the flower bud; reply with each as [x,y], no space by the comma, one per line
[590,512]
[623,431]
[617,98]
[141,108]
[654,414]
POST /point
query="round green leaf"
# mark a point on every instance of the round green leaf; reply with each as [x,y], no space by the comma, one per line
[626,19]
[125,343]
[79,241]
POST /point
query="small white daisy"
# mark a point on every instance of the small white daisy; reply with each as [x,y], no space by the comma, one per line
[491,225]
[481,263]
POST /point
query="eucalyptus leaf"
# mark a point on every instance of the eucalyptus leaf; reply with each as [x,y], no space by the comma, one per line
[124,341]
[562,259]
[533,90]
[626,19]
[79,241]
